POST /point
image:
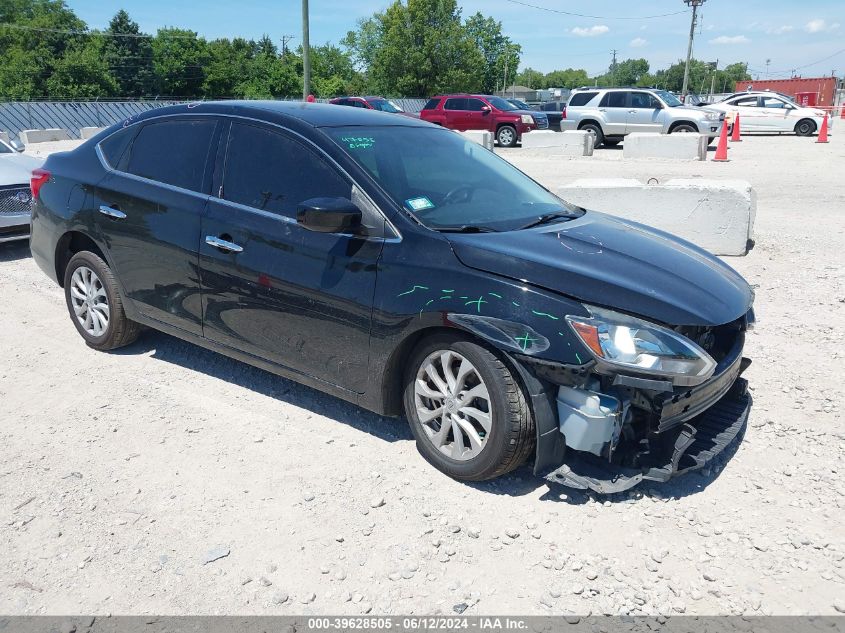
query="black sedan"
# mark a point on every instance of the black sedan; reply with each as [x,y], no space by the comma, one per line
[394,264]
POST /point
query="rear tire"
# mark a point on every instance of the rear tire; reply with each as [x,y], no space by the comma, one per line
[595,130]
[805,127]
[94,303]
[506,136]
[466,409]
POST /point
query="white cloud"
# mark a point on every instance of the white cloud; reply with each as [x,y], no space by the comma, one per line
[780,30]
[638,42]
[730,39]
[819,26]
[591,31]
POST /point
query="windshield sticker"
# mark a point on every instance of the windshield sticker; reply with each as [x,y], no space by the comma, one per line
[419,204]
[358,142]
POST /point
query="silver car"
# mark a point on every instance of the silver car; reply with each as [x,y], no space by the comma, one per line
[15,196]
[612,113]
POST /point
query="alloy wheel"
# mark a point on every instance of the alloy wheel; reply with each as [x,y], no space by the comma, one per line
[453,405]
[506,136]
[89,300]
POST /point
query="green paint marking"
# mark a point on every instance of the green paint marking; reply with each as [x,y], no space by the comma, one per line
[429,302]
[546,314]
[525,341]
[464,297]
[447,291]
[515,303]
[493,294]
[445,297]
[412,290]
[580,362]
[477,303]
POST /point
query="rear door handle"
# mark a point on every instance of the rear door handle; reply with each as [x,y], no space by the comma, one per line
[223,245]
[112,212]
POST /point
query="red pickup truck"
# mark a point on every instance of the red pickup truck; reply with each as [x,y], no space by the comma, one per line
[483,112]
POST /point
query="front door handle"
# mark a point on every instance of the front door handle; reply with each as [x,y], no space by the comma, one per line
[112,212]
[223,245]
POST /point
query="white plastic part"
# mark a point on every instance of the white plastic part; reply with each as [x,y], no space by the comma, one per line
[588,420]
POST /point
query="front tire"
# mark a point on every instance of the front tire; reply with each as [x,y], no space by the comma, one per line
[467,411]
[94,303]
[805,127]
[506,136]
[683,128]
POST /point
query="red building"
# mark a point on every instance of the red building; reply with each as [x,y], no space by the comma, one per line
[817,91]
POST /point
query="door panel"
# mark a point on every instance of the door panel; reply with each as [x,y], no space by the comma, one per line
[474,117]
[644,114]
[776,115]
[750,116]
[292,296]
[150,228]
[614,107]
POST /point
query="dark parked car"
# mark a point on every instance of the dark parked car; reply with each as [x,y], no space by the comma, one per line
[371,103]
[552,110]
[504,120]
[401,267]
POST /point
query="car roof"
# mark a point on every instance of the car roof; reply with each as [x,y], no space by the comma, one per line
[308,114]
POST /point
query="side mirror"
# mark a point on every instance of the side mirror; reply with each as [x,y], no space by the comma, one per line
[485,109]
[329,215]
[17,145]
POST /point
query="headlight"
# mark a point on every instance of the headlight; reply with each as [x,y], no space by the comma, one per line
[713,116]
[527,119]
[625,342]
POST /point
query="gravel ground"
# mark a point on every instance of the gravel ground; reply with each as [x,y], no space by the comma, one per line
[167,479]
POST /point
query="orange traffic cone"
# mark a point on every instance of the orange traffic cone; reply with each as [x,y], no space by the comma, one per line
[735,136]
[722,149]
[842,111]
[823,133]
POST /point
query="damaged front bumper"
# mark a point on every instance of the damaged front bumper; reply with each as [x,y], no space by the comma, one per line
[679,430]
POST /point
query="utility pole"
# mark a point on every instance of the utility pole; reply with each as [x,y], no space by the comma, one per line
[613,68]
[694,4]
[768,61]
[306,52]
[715,66]
[285,40]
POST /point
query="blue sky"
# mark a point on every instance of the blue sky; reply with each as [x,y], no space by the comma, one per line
[793,35]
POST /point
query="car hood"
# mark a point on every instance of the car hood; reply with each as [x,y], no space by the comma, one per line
[16,169]
[607,261]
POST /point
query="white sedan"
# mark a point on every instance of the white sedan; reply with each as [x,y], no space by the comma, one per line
[15,197]
[770,112]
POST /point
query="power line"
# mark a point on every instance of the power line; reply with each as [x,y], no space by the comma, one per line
[24,27]
[594,17]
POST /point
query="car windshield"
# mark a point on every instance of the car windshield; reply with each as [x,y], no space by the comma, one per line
[446,181]
[385,106]
[668,98]
[501,104]
[520,104]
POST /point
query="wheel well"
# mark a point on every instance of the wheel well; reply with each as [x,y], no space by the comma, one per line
[676,124]
[395,368]
[69,245]
[586,122]
[501,125]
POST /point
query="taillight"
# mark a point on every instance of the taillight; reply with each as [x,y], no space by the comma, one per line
[37,180]
[563,113]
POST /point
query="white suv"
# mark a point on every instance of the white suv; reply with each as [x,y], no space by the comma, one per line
[611,113]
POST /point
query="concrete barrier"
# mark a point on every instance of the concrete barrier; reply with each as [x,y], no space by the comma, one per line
[87,132]
[43,136]
[716,215]
[669,146]
[568,143]
[482,137]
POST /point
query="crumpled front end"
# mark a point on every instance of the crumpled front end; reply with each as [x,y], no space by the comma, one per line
[619,429]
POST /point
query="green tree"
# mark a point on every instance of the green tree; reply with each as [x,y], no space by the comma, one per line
[229,64]
[531,78]
[332,70]
[569,78]
[270,77]
[83,73]
[499,52]
[179,60]
[129,56]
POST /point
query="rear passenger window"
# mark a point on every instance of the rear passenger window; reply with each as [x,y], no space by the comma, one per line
[113,147]
[269,171]
[613,100]
[581,98]
[431,104]
[455,104]
[173,152]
